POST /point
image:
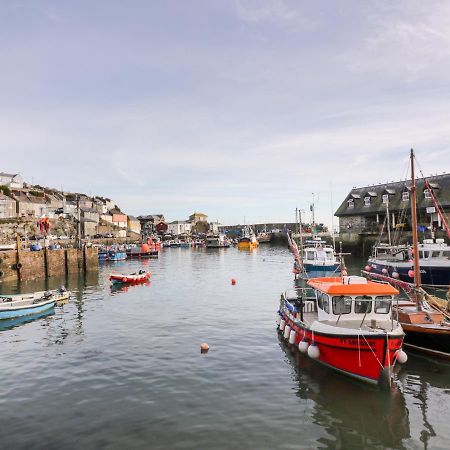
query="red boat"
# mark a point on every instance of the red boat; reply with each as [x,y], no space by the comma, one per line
[347,324]
[132,278]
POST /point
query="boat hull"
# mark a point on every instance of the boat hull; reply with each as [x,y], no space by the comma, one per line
[13,312]
[247,245]
[129,279]
[430,275]
[428,340]
[365,357]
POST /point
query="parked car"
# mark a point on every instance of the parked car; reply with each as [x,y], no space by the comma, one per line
[109,235]
[98,236]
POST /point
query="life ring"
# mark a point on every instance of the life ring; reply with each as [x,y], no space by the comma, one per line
[124,279]
[17,266]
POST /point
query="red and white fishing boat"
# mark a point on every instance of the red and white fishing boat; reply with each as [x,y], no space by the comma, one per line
[132,278]
[347,324]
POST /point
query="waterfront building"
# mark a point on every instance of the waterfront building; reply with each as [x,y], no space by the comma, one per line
[134,225]
[150,222]
[178,227]
[120,220]
[364,209]
[7,207]
[198,217]
[13,181]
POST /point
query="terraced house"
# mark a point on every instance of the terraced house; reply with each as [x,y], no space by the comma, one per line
[365,209]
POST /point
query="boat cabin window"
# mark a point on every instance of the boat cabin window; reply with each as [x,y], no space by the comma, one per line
[323,301]
[435,254]
[382,304]
[342,304]
[427,193]
[310,255]
[363,304]
[446,254]
[405,196]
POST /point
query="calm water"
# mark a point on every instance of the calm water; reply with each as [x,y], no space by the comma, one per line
[123,369]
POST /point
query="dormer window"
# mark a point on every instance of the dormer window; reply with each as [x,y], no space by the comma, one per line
[405,196]
[385,198]
[366,201]
[351,203]
[427,194]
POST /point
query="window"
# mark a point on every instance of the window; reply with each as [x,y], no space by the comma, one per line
[385,198]
[446,254]
[405,196]
[363,304]
[382,304]
[319,300]
[342,304]
[351,203]
[326,303]
[435,254]
[427,193]
[366,201]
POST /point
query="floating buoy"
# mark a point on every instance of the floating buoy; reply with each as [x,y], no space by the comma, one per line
[292,337]
[385,271]
[411,273]
[233,281]
[402,357]
[368,268]
[204,347]
[395,275]
[313,351]
[287,330]
[282,324]
[303,346]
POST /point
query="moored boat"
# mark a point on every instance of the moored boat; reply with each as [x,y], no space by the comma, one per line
[345,323]
[425,318]
[218,240]
[248,239]
[434,262]
[14,306]
[132,278]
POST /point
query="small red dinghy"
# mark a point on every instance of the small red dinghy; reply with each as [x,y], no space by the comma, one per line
[132,278]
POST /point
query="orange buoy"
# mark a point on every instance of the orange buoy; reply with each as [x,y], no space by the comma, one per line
[233,281]
[204,347]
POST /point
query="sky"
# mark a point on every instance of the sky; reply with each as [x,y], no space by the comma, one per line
[241,109]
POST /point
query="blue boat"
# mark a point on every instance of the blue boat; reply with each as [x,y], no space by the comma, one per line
[19,306]
[7,324]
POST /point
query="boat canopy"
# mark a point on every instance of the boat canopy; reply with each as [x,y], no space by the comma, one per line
[351,285]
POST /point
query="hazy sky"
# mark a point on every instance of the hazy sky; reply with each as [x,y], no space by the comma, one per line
[233,108]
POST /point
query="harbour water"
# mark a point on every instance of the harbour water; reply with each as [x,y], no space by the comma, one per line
[123,369]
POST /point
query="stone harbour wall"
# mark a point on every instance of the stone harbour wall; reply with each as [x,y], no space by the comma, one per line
[27,265]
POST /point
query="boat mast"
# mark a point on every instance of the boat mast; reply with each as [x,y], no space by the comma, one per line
[301,235]
[388,222]
[417,280]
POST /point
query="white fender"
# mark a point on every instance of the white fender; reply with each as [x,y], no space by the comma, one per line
[282,324]
[313,351]
[292,337]
[303,346]
[287,330]
[402,357]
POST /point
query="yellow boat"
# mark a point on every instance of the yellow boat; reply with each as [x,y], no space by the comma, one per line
[248,240]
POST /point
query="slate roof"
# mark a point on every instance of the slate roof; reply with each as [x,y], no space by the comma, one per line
[439,183]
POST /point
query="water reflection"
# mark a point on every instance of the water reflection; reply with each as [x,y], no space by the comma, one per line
[117,288]
[9,324]
[355,415]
